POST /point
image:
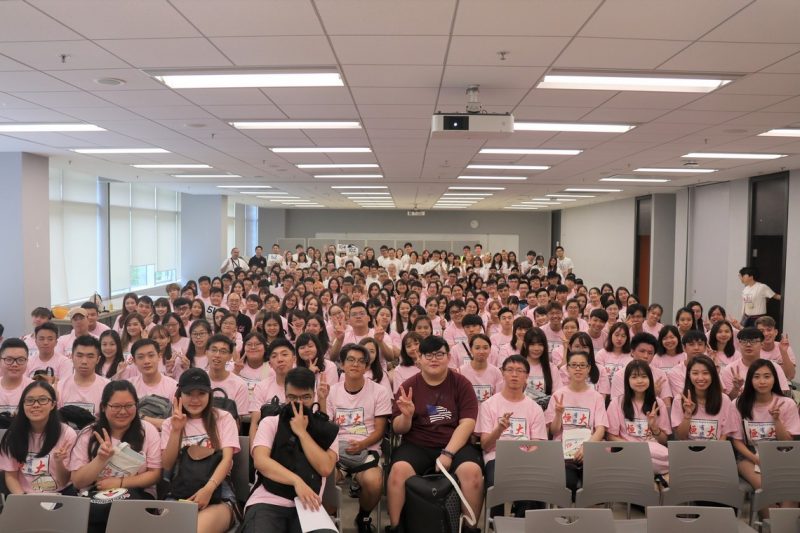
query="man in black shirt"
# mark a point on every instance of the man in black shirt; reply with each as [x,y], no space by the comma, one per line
[258,260]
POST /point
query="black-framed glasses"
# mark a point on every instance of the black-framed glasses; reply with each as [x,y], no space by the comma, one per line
[441,354]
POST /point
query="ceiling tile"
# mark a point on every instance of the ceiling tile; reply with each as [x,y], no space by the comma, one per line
[87,79]
[734,102]
[471,50]
[693,116]
[167,53]
[132,99]
[729,57]
[309,95]
[370,95]
[395,111]
[392,76]
[386,17]
[606,114]
[277,51]
[492,77]
[21,22]
[100,19]
[173,112]
[245,111]
[648,100]
[10,102]
[522,17]
[9,64]
[790,65]
[47,55]
[230,18]
[30,81]
[92,114]
[780,84]
[566,98]
[618,53]
[557,114]
[656,19]
[761,22]
[390,49]
[224,96]
[321,112]
[66,99]
[36,115]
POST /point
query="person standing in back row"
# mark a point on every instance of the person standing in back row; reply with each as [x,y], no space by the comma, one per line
[754,297]
[564,264]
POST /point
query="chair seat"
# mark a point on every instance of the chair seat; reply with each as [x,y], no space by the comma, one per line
[637,525]
[504,524]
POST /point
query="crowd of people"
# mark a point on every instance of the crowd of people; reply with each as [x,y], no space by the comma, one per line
[329,359]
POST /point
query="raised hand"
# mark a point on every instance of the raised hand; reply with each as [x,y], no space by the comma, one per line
[688,405]
[504,421]
[775,410]
[738,380]
[559,405]
[179,418]
[106,449]
[405,402]
[659,385]
[784,344]
[652,419]
[323,388]
[238,362]
[299,422]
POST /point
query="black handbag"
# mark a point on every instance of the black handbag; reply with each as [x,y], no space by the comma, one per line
[225,403]
[193,468]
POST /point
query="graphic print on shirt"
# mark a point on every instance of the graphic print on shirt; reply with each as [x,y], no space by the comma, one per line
[351,420]
[576,416]
[703,429]
[517,429]
[535,388]
[483,392]
[39,469]
[437,413]
[637,428]
[197,440]
[757,431]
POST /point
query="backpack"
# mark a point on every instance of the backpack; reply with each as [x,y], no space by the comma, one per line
[192,470]
[271,408]
[76,417]
[433,504]
[155,406]
[225,403]
[288,451]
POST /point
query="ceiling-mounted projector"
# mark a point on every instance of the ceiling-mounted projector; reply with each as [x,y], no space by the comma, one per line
[474,124]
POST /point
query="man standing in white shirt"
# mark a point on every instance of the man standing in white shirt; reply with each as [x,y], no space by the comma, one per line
[565,264]
[754,297]
[233,262]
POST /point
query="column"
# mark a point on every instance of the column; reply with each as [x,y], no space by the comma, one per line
[204,234]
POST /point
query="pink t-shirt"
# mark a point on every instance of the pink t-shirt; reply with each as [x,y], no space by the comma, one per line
[603,386]
[195,433]
[636,430]
[554,339]
[350,336]
[618,383]
[612,362]
[652,330]
[355,413]
[677,379]
[265,391]
[9,398]
[739,366]
[61,365]
[585,409]
[254,376]
[88,397]
[723,360]
[165,387]
[151,449]
[527,421]
[368,375]
[600,342]
[774,354]
[536,389]
[501,341]
[458,341]
[705,426]
[236,388]
[666,362]
[36,474]
[265,436]
[401,374]
[762,426]
[485,383]
[180,347]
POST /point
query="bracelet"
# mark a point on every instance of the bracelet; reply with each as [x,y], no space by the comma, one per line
[447,453]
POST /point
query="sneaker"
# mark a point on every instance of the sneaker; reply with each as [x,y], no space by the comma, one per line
[364,525]
[354,488]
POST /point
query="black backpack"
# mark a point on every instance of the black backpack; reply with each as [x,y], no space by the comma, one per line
[271,408]
[288,452]
[225,403]
[433,504]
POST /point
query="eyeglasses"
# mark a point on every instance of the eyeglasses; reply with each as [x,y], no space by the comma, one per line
[221,351]
[515,370]
[357,315]
[303,398]
[199,334]
[354,361]
[435,355]
[171,324]
[253,345]
[10,361]
[38,401]
[117,407]
[749,342]
[578,366]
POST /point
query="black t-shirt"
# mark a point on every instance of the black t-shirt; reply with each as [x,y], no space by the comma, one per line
[258,262]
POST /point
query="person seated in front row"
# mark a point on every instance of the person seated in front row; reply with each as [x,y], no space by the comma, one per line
[265,509]
[435,411]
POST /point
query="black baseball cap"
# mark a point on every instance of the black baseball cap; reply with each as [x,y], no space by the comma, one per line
[194,379]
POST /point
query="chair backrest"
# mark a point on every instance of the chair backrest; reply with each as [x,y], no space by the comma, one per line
[529,470]
[570,521]
[240,472]
[135,516]
[690,519]
[332,494]
[44,513]
[703,471]
[784,520]
[780,473]
[617,472]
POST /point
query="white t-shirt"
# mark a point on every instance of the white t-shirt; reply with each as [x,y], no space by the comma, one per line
[754,298]
[564,266]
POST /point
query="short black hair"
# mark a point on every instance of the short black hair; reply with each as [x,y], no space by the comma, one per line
[747,334]
[87,340]
[301,378]
[433,343]
[12,342]
[694,335]
[644,338]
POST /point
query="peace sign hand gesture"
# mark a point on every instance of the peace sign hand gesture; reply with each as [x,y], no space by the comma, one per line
[775,410]
[738,380]
[652,419]
[238,363]
[504,421]
[323,388]
[178,419]
[559,405]
[688,405]
[106,449]
[299,422]
[405,402]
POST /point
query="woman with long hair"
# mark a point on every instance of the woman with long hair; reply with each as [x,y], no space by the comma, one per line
[375,370]
[543,378]
[409,353]
[112,363]
[129,303]
[703,412]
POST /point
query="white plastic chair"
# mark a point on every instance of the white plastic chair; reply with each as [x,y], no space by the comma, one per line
[44,513]
[136,516]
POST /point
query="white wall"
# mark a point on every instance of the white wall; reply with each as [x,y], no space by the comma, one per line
[600,241]
[204,220]
[791,292]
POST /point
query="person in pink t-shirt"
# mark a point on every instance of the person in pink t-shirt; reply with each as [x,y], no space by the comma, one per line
[486,379]
[767,415]
[48,364]
[670,349]
[84,388]
[577,407]
[569,327]
[112,364]
[617,351]
[377,367]
[552,330]
[252,365]
[703,412]
[196,423]
[149,380]
[220,350]
[361,408]
[543,376]
[779,353]
[652,324]
[721,343]
[643,348]
[638,415]
[311,356]
[409,353]
[264,510]
[34,450]
[14,357]
[509,415]
[521,326]
[733,375]
[502,338]
[597,378]
[281,357]
[598,319]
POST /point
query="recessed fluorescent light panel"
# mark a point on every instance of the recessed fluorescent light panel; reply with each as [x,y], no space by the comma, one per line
[623,179]
[228,78]
[120,151]
[452,188]
[505,178]
[359,187]
[247,187]
[40,128]
[632,83]
[347,176]
[296,125]
[731,155]
[570,196]
[339,165]
[781,132]
[269,193]
[677,170]
[578,189]
[465,194]
[555,126]
[206,176]
[179,165]
[507,167]
[319,150]
[529,151]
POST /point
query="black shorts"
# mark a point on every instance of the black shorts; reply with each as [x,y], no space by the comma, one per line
[423,459]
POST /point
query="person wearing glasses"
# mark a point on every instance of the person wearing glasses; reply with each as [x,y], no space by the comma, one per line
[435,411]
[358,329]
[733,375]
[220,350]
[14,358]
[84,388]
[509,415]
[360,407]
[34,449]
